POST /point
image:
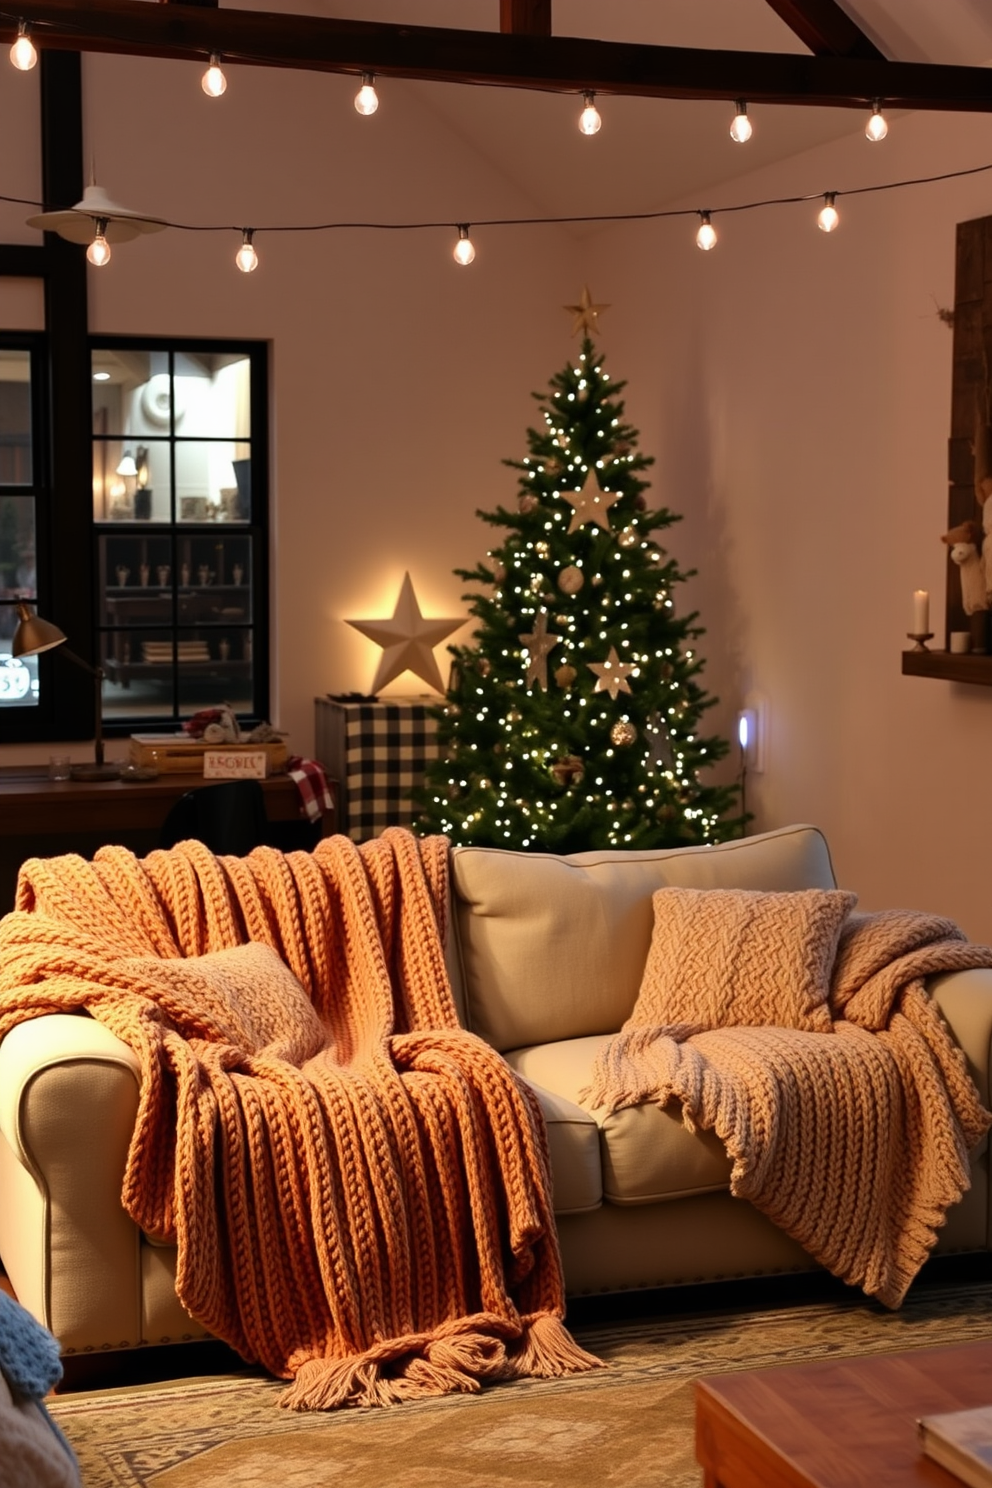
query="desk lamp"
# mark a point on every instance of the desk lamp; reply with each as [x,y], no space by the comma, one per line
[34,635]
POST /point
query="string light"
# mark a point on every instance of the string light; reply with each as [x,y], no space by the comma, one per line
[829,215]
[367,99]
[464,250]
[214,83]
[877,128]
[590,121]
[246,258]
[828,219]
[23,53]
[740,129]
[98,253]
[706,233]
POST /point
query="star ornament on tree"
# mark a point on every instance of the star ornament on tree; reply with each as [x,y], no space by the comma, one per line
[612,674]
[586,314]
[591,504]
[407,640]
[538,643]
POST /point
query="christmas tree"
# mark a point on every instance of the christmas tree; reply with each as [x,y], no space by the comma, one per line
[573,721]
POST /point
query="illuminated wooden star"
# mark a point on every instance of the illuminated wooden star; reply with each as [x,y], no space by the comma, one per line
[407,640]
[612,674]
[591,503]
[538,643]
[585,313]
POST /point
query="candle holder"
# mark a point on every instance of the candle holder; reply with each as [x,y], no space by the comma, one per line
[920,639]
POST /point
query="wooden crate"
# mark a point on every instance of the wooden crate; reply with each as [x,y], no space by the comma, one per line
[177,754]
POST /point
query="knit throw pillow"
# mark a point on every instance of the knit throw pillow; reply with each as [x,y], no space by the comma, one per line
[721,958]
[244,995]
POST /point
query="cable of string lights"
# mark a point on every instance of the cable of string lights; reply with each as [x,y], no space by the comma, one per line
[463,252]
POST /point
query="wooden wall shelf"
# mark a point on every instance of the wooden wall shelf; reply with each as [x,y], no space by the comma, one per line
[948,665]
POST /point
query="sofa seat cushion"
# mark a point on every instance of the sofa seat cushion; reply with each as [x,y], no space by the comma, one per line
[647,1155]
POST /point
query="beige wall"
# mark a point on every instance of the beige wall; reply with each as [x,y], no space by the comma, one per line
[796,387]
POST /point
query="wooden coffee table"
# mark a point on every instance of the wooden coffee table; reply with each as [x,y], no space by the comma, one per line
[842,1423]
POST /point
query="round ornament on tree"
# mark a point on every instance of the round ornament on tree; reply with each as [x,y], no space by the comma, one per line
[565,675]
[571,579]
[527,503]
[623,733]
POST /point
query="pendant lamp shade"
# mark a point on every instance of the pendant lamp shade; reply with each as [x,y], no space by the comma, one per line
[76,224]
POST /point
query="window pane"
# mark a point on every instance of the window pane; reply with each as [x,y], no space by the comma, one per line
[213,396]
[18,678]
[131,393]
[16,465]
[131,482]
[139,674]
[18,578]
[136,575]
[214,668]
[212,481]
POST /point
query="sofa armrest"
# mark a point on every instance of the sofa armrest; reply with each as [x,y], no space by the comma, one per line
[68,1101]
[965,1002]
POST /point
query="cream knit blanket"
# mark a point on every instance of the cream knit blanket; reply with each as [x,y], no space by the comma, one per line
[358,1189]
[855,1142]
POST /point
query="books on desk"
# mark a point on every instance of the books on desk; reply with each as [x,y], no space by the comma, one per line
[961,1441]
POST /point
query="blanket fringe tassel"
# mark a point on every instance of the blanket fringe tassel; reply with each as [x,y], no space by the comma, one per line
[408,1369]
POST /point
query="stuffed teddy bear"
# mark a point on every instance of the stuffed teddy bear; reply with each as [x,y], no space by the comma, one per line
[965,541]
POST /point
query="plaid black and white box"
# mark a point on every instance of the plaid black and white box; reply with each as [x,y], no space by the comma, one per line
[379,752]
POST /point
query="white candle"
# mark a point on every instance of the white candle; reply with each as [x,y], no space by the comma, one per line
[921,612]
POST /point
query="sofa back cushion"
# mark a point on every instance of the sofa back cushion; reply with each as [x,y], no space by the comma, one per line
[551,948]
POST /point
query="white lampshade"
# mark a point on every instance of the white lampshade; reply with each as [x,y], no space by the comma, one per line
[76,224]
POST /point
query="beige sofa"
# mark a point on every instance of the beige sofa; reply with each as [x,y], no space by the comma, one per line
[546,957]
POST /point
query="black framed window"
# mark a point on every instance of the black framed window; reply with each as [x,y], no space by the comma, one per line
[180,528]
[24,518]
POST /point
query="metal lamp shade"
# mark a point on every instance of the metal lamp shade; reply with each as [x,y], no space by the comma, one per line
[34,634]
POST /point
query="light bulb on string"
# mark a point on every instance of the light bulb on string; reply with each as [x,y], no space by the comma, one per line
[98,253]
[706,233]
[829,216]
[246,258]
[367,99]
[213,82]
[464,250]
[590,121]
[877,127]
[23,53]
[740,129]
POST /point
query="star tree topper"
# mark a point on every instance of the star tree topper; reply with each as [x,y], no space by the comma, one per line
[612,674]
[538,644]
[586,314]
[407,640]
[592,504]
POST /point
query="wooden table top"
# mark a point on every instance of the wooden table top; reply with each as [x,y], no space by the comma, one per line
[31,803]
[842,1423]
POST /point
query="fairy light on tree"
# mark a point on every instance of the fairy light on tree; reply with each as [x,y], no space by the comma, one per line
[573,720]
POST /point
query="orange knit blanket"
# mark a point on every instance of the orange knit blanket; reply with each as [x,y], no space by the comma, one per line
[854,1141]
[358,1189]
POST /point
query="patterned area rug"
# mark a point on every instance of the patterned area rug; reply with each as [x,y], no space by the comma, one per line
[629,1425]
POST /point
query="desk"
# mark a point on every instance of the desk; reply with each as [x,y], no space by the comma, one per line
[41,817]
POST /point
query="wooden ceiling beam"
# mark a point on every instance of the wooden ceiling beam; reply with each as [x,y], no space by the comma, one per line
[561,64]
[525,17]
[827,30]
